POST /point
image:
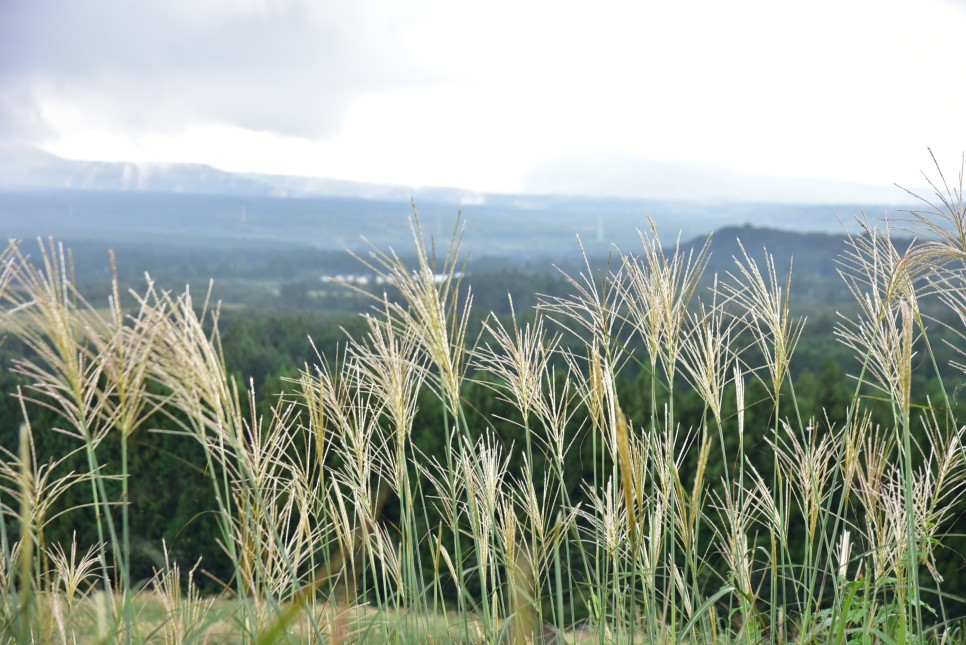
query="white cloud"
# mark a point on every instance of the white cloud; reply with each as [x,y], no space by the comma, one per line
[489,95]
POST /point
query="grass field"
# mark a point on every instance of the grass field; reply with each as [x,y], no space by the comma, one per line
[677,534]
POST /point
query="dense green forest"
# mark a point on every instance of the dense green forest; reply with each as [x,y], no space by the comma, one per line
[280,317]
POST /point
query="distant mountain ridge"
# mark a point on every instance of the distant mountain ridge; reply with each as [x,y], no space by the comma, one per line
[33,169]
[24,168]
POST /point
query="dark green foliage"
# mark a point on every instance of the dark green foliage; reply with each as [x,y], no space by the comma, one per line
[266,342]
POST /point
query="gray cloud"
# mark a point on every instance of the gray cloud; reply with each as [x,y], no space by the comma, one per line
[284,67]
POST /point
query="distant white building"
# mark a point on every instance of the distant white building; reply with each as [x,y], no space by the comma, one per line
[362,279]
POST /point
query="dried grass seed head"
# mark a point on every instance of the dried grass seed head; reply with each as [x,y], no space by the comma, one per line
[657,293]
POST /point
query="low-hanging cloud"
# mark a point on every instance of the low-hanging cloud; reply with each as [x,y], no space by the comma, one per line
[500,95]
[289,67]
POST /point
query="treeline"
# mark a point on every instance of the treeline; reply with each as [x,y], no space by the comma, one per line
[269,334]
[284,277]
[170,495]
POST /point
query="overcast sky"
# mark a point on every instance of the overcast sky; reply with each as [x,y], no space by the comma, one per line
[502,95]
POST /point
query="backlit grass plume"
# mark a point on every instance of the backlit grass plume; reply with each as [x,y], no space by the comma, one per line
[629,463]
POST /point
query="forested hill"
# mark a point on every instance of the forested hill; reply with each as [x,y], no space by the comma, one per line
[813,253]
[279,276]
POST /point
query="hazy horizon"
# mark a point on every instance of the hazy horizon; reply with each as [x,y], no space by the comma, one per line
[24,167]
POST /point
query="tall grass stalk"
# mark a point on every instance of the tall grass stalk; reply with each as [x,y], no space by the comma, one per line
[671,534]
